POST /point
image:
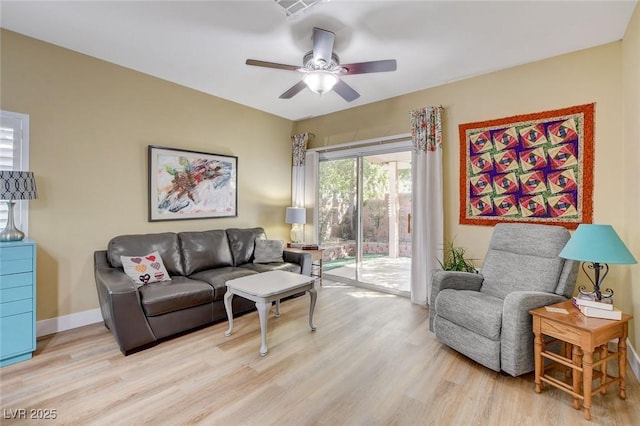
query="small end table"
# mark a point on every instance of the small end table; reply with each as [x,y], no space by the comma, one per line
[583,336]
[265,288]
[316,261]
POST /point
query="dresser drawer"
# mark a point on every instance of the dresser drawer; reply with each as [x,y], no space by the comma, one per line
[16,280]
[15,266]
[16,307]
[16,334]
[16,253]
[16,293]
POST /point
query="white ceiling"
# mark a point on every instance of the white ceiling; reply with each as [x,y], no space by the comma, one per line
[204,45]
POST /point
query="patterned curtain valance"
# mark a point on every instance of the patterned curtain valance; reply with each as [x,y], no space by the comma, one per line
[299,148]
[426,128]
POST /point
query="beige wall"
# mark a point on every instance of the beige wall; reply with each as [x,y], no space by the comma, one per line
[631,138]
[587,76]
[91,122]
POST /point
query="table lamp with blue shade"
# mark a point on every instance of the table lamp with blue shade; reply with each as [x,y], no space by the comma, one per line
[597,246]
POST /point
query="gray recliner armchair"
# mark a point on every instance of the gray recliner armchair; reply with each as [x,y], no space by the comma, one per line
[486,316]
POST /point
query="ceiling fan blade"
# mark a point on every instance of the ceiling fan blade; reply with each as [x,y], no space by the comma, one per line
[293,90]
[265,64]
[322,46]
[373,66]
[345,91]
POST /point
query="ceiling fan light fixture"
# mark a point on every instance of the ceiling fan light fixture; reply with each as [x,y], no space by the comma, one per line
[320,81]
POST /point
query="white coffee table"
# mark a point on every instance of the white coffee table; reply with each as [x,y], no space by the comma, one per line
[264,288]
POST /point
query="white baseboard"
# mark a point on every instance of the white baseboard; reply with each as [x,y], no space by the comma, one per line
[634,360]
[67,322]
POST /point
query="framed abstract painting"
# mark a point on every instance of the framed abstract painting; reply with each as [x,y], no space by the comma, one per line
[535,168]
[191,185]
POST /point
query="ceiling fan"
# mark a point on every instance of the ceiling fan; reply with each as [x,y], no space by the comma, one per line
[322,69]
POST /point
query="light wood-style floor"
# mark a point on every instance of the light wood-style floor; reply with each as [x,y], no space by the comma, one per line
[372,361]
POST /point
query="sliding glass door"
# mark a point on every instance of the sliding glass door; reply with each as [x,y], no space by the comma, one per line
[337,216]
[364,205]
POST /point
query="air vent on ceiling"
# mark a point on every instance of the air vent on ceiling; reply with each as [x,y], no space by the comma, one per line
[294,7]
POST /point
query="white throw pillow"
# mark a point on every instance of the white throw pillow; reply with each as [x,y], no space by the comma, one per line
[268,251]
[145,269]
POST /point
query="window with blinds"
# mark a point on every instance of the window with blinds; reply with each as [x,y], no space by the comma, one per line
[14,155]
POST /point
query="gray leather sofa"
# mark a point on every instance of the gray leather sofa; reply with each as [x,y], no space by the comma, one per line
[199,263]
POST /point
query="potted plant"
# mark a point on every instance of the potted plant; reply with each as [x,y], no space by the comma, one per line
[455,260]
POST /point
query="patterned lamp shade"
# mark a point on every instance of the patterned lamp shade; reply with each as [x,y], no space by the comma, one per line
[17,186]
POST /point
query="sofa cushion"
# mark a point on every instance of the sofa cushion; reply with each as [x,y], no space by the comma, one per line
[482,313]
[479,348]
[217,278]
[523,257]
[145,269]
[268,251]
[166,244]
[515,272]
[242,243]
[204,250]
[169,296]
[276,266]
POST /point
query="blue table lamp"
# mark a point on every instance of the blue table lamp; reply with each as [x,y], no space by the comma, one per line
[597,246]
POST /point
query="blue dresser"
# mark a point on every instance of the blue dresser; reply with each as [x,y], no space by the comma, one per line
[17,301]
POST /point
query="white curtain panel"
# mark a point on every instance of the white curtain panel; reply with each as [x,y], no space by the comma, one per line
[310,191]
[297,174]
[427,209]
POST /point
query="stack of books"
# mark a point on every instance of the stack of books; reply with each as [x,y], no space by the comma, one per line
[595,309]
[303,246]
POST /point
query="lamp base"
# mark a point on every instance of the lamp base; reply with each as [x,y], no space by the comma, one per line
[297,233]
[596,294]
[10,232]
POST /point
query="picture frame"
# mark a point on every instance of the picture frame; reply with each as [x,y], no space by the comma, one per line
[532,168]
[186,184]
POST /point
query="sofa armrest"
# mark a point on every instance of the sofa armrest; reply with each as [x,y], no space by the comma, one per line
[454,280]
[300,258]
[120,306]
[516,342]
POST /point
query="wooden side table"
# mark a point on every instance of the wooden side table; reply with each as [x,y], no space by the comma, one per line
[584,336]
[316,261]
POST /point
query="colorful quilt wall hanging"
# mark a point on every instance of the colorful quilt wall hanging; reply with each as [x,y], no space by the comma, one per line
[535,168]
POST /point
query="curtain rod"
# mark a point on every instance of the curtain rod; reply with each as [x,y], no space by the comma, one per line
[362,143]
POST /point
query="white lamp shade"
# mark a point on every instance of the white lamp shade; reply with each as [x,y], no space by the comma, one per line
[296,215]
[320,81]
